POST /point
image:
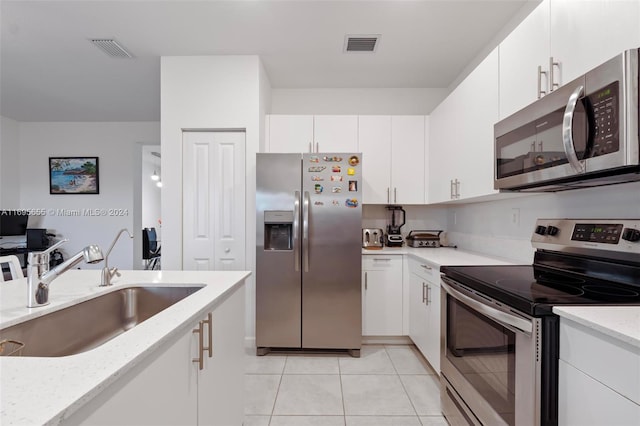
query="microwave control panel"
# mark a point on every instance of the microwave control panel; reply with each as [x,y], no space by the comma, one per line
[606,126]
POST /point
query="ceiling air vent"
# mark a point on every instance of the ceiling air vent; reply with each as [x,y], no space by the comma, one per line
[361,43]
[111,47]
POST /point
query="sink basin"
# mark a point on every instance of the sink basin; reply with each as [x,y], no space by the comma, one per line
[91,323]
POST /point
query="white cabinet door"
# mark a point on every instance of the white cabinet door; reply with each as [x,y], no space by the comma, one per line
[443,160]
[374,141]
[220,385]
[586,33]
[407,159]
[335,133]
[418,312]
[161,390]
[432,346]
[382,295]
[526,48]
[476,144]
[290,133]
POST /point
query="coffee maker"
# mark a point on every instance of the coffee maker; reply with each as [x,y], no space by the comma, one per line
[394,237]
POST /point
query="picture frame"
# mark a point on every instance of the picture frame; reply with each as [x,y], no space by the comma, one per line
[73,175]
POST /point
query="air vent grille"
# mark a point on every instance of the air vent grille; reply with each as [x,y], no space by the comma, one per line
[111,47]
[361,43]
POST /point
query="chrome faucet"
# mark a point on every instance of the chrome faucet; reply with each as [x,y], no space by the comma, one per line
[39,276]
[107,273]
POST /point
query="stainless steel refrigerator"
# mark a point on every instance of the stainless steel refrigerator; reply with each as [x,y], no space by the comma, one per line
[308,254]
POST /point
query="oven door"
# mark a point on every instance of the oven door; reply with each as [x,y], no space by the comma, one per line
[490,368]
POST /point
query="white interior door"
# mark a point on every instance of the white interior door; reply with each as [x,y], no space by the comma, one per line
[213,204]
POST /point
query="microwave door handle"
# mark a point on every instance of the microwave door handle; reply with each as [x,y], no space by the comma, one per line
[512,322]
[296,231]
[305,231]
[567,134]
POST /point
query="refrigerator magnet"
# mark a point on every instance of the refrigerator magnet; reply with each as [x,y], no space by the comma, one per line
[351,202]
[336,178]
[353,186]
[336,169]
[316,178]
[316,169]
[335,202]
[318,203]
[354,160]
[318,188]
[332,159]
[336,189]
[351,171]
[314,159]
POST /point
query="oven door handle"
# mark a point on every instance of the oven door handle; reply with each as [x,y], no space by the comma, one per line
[503,318]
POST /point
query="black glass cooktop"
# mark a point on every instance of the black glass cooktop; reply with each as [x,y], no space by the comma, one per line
[535,290]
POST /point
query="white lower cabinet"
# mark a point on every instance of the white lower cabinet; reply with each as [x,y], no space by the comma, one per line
[169,388]
[381,295]
[424,310]
[593,387]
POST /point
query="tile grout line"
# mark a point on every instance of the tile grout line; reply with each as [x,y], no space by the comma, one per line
[278,390]
[402,384]
[344,410]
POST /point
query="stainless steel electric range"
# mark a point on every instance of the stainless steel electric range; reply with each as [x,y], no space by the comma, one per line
[499,357]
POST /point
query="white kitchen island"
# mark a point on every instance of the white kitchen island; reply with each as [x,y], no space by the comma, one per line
[122,378]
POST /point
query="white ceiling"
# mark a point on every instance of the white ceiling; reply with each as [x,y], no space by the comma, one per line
[49,71]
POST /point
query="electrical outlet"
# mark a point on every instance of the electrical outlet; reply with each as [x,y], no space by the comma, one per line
[515,217]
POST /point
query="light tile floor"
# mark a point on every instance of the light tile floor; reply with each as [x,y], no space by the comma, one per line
[389,385]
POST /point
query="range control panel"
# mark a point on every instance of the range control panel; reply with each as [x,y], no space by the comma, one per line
[622,235]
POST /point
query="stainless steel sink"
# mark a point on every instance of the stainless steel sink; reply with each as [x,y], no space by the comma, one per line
[89,324]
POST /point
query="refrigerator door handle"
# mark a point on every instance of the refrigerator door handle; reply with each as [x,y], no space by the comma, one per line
[305,231]
[296,231]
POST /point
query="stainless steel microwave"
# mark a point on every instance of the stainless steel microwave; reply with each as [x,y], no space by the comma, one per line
[581,135]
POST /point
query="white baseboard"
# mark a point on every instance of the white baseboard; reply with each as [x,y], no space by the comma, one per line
[386,340]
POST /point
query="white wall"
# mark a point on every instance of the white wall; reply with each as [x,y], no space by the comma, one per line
[9,163]
[210,92]
[114,144]
[487,227]
[356,101]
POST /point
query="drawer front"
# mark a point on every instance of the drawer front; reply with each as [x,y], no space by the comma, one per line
[381,263]
[425,270]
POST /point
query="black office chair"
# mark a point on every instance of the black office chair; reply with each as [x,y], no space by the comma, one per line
[150,249]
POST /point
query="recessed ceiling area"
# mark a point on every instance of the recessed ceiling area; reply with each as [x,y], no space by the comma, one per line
[50,71]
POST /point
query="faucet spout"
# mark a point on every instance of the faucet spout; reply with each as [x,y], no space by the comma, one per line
[107,273]
[39,276]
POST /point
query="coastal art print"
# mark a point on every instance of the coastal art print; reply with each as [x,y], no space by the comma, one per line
[73,175]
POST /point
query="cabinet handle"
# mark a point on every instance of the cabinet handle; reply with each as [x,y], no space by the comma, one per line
[388,195]
[424,293]
[451,188]
[457,189]
[200,359]
[395,195]
[541,92]
[427,267]
[553,84]
[428,294]
[317,146]
[381,259]
[209,322]
[365,281]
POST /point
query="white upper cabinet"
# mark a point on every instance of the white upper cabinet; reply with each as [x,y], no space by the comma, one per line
[308,133]
[407,159]
[586,33]
[374,141]
[559,41]
[335,133]
[521,53]
[290,133]
[461,137]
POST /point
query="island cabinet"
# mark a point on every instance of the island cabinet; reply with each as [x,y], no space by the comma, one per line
[171,387]
[599,378]
[424,309]
[382,295]
[558,42]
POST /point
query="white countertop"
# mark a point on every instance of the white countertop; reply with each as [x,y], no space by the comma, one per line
[36,391]
[619,322]
[441,256]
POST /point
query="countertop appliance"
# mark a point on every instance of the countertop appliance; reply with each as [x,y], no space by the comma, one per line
[372,238]
[394,236]
[428,238]
[497,321]
[583,134]
[308,254]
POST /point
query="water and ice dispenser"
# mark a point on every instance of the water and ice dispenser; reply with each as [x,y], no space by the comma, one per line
[278,230]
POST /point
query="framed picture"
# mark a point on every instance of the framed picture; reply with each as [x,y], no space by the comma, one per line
[73,175]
